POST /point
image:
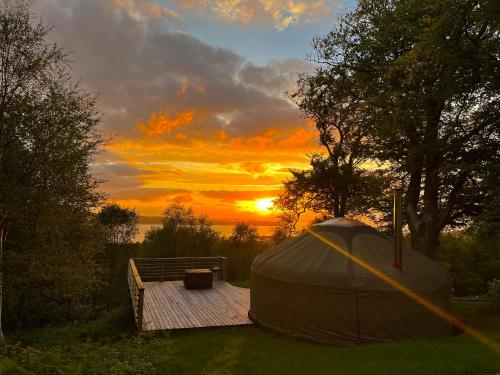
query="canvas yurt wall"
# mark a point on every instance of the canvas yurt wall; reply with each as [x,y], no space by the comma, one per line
[306,289]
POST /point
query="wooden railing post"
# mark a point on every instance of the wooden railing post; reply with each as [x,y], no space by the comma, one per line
[224,268]
[136,288]
[140,309]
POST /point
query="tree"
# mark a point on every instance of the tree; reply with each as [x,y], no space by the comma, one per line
[330,190]
[48,129]
[120,228]
[428,75]
[52,270]
[120,223]
[338,182]
[182,234]
[285,228]
[244,233]
[176,217]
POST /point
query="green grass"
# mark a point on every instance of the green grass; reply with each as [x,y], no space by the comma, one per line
[111,346]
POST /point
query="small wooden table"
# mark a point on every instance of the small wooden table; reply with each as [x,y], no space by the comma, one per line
[198,278]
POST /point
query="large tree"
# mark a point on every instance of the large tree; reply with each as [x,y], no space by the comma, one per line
[48,130]
[428,73]
[339,181]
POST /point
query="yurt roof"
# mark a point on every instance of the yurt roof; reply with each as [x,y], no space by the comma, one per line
[306,260]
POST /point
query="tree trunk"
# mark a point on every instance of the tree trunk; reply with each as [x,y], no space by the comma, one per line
[425,225]
[336,204]
[2,338]
[426,241]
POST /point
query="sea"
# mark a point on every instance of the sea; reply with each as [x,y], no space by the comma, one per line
[224,229]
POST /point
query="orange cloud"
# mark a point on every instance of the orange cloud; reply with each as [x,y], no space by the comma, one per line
[232,196]
[156,10]
[225,176]
[185,89]
[281,13]
[139,8]
[159,123]
[201,88]
[123,3]
[253,167]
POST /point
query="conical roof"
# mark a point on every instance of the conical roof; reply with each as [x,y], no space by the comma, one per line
[306,260]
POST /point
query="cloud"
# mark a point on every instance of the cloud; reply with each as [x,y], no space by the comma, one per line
[232,196]
[280,13]
[186,116]
[149,194]
[160,123]
[145,8]
[277,78]
[156,10]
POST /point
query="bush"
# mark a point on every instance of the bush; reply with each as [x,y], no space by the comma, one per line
[471,262]
[494,293]
[52,271]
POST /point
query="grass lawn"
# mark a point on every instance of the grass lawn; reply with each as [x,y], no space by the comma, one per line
[111,346]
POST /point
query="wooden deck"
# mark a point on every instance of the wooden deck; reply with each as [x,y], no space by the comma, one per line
[168,305]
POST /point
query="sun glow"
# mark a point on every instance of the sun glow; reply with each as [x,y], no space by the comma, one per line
[262,206]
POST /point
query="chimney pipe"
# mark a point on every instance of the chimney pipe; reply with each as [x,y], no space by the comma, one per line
[398,229]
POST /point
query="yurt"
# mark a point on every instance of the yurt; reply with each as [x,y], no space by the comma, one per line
[306,289]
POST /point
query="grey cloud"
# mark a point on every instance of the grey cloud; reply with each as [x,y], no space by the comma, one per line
[275,78]
[138,66]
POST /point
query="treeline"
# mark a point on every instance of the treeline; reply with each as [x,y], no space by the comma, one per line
[73,268]
[182,234]
[68,268]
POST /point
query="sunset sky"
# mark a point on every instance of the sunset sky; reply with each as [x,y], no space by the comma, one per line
[193,95]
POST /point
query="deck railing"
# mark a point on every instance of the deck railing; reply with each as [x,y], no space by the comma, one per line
[136,288]
[166,269]
[163,269]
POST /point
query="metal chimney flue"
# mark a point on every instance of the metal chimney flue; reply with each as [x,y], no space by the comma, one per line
[397,222]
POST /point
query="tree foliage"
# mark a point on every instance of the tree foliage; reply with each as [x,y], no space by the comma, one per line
[427,76]
[48,137]
[185,235]
[119,227]
[181,234]
[120,223]
[338,182]
[334,191]
[244,233]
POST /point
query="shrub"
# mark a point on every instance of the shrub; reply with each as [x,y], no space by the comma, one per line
[494,293]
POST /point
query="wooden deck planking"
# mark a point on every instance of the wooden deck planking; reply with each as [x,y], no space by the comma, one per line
[168,305]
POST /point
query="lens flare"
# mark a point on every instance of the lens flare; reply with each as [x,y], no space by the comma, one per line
[492,344]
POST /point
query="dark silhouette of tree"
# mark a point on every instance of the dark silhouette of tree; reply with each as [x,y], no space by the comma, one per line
[48,129]
[120,223]
[427,76]
[182,234]
[244,233]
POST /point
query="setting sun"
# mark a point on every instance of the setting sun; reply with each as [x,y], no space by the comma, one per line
[261,206]
[264,205]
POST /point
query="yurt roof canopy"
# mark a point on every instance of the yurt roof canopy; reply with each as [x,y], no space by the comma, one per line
[306,260]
